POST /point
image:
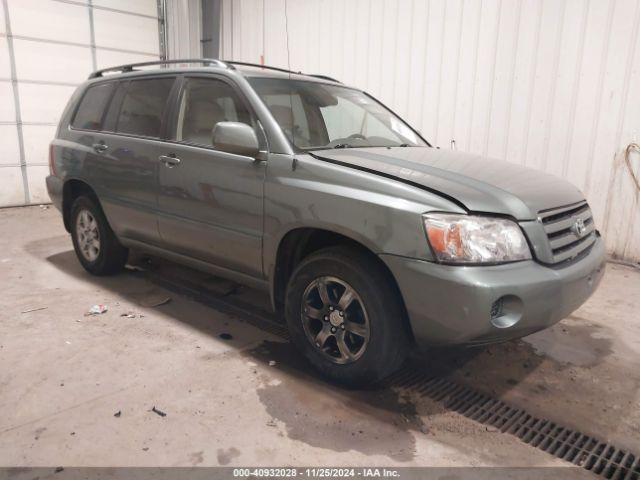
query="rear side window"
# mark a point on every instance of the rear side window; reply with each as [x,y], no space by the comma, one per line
[92,106]
[143,106]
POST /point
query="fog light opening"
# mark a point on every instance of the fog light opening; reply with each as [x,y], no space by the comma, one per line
[497,309]
[506,311]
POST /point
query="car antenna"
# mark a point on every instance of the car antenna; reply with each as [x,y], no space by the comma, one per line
[286,30]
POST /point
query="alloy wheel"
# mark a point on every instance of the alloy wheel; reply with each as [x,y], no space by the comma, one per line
[335,320]
[88,235]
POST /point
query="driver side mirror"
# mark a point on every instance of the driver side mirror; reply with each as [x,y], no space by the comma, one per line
[235,137]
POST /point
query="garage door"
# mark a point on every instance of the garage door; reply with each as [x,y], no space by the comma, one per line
[47,48]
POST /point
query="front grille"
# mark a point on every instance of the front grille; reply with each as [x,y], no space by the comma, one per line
[570,231]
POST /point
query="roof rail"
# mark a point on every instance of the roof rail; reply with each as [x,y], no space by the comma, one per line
[129,67]
[205,61]
[266,67]
[277,69]
[325,77]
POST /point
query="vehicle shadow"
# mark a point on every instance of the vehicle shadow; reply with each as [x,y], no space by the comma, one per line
[383,420]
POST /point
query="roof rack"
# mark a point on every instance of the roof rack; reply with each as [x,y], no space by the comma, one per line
[266,67]
[277,69]
[325,77]
[205,61]
[129,67]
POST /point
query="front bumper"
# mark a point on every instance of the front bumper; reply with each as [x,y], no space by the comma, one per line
[452,304]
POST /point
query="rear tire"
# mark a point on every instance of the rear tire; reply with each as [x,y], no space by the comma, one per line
[96,246]
[346,317]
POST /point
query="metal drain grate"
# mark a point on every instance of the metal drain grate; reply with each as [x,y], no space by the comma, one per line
[572,446]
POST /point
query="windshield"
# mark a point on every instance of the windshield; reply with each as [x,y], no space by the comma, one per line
[318,116]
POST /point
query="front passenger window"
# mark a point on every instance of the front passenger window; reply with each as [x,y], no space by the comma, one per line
[205,102]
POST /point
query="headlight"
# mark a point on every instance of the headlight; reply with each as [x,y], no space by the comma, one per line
[474,239]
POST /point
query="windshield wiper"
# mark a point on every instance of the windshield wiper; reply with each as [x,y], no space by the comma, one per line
[342,145]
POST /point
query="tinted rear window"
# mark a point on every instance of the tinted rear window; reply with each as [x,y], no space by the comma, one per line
[91,109]
[143,106]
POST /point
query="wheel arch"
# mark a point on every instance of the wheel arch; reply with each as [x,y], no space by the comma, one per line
[300,242]
[72,189]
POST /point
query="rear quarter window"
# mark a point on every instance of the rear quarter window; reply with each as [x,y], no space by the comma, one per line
[92,106]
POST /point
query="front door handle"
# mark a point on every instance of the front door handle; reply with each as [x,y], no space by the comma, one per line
[99,147]
[169,161]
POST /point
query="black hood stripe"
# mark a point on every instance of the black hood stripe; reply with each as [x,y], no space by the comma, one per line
[392,177]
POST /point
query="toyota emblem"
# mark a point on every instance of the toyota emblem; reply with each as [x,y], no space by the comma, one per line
[579,227]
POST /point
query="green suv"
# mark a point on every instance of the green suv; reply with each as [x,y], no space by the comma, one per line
[369,240]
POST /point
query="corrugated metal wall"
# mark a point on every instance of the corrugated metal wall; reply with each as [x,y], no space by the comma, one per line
[183,28]
[551,84]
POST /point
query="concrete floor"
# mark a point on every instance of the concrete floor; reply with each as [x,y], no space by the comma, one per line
[64,376]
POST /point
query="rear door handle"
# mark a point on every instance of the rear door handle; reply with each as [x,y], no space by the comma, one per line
[99,147]
[169,161]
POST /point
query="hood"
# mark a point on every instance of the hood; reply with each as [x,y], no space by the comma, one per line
[479,183]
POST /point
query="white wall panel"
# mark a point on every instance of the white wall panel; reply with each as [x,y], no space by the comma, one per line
[5,69]
[519,126]
[110,58]
[141,7]
[466,75]
[7,108]
[274,38]
[126,32]
[36,143]
[36,176]
[9,148]
[49,20]
[3,28]
[551,84]
[11,192]
[563,103]
[183,29]
[49,62]
[54,51]
[604,129]
[43,103]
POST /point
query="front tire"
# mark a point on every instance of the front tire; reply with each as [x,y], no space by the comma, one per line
[96,246]
[346,317]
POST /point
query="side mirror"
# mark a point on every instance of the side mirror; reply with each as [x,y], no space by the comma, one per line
[237,138]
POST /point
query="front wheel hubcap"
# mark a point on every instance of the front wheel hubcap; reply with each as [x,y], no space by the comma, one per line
[88,235]
[335,320]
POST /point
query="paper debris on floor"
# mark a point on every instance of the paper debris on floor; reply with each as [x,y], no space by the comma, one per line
[96,310]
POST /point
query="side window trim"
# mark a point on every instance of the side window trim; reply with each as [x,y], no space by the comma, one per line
[168,114]
[108,105]
[175,99]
